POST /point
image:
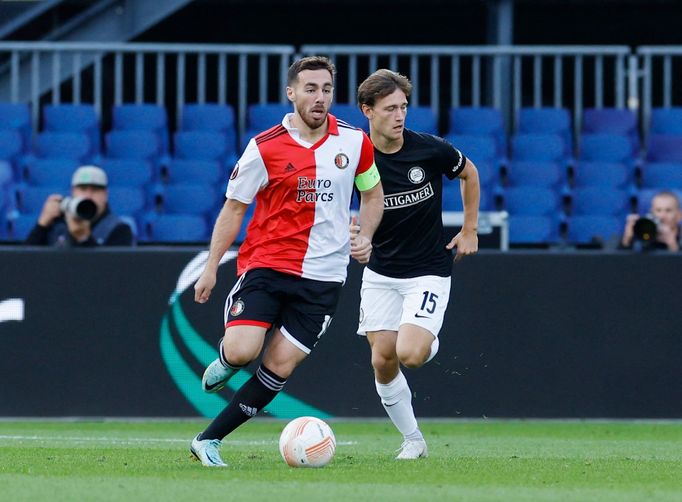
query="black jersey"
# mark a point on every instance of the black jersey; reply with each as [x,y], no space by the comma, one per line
[410,241]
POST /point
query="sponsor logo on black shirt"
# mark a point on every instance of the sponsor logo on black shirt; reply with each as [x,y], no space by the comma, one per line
[409,198]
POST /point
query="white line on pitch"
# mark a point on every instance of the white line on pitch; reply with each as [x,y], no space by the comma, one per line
[138,440]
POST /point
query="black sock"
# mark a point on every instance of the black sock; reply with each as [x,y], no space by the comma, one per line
[252,397]
[224,361]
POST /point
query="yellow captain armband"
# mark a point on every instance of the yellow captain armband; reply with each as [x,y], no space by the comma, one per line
[369,179]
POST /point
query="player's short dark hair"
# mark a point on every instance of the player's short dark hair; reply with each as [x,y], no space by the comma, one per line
[310,63]
[380,84]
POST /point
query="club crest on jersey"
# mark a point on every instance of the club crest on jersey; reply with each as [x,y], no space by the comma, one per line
[235,171]
[416,174]
[237,308]
[341,160]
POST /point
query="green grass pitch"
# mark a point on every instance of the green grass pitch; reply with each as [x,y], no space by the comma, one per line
[469,460]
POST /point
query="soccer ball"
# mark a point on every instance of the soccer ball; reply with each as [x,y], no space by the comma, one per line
[307,442]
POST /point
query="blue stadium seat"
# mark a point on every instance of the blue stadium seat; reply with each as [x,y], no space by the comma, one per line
[261,117]
[190,199]
[64,145]
[350,114]
[601,174]
[21,225]
[211,117]
[664,148]
[546,121]
[662,175]
[6,173]
[606,148]
[17,117]
[479,121]
[539,147]
[11,149]
[602,201]
[201,145]
[143,145]
[594,230]
[645,195]
[127,200]
[245,223]
[488,174]
[477,148]
[452,197]
[196,171]
[422,119]
[32,198]
[74,118]
[666,120]
[128,172]
[177,228]
[535,201]
[529,229]
[620,121]
[540,174]
[143,117]
[51,172]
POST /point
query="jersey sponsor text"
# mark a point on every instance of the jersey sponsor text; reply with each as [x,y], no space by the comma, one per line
[409,198]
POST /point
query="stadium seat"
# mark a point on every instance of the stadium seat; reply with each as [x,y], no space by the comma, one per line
[211,117]
[529,229]
[540,174]
[594,230]
[17,117]
[21,225]
[452,197]
[143,117]
[32,198]
[261,117]
[11,149]
[127,172]
[620,121]
[196,171]
[601,174]
[190,199]
[143,145]
[479,121]
[351,114]
[422,119]
[177,228]
[245,223]
[6,173]
[662,175]
[51,172]
[488,174]
[74,118]
[539,147]
[477,148]
[201,145]
[666,120]
[127,200]
[64,145]
[606,148]
[602,201]
[664,148]
[536,201]
[546,121]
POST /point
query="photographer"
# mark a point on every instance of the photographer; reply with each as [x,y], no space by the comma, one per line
[660,229]
[84,219]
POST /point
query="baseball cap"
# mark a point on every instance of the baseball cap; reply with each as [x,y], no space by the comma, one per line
[89,175]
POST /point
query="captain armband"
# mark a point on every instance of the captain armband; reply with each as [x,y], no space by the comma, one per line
[369,179]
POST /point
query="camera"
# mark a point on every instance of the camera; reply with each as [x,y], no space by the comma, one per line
[645,228]
[85,209]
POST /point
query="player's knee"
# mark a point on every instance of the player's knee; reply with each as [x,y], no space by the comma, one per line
[412,358]
[238,356]
[381,362]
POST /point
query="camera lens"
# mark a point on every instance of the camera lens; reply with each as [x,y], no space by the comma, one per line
[645,229]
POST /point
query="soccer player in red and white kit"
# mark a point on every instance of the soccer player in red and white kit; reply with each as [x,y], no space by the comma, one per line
[293,261]
[406,284]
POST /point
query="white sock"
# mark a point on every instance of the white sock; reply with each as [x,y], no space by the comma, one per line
[434,349]
[396,397]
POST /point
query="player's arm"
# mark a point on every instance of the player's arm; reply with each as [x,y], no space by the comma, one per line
[224,233]
[466,241]
[368,182]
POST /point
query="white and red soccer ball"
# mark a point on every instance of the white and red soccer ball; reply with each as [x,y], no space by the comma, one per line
[307,442]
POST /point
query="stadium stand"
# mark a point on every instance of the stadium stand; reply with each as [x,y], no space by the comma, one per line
[177,228]
[595,231]
[74,118]
[479,121]
[600,201]
[422,119]
[17,117]
[619,121]
[533,230]
[547,121]
[143,117]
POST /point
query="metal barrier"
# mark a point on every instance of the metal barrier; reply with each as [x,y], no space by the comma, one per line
[448,77]
[661,66]
[108,74]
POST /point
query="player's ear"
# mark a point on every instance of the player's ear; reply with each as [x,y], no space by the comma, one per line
[290,94]
[367,111]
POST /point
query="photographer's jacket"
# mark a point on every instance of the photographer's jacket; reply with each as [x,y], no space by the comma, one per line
[107,230]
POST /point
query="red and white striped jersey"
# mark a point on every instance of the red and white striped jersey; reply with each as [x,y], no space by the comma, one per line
[302,193]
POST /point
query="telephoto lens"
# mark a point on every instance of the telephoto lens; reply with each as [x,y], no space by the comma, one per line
[645,228]
[84,209]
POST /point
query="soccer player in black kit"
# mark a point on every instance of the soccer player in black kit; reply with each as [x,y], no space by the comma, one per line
[406,284]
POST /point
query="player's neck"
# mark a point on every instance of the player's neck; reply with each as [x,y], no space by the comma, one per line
[306,133]
[384,144]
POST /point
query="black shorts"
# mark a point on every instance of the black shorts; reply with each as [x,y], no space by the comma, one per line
[301,308]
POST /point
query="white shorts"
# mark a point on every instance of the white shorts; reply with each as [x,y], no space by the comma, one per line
[387,303]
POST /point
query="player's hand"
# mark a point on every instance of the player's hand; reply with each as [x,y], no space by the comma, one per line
[360,246]
[466,242]
[204,286]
